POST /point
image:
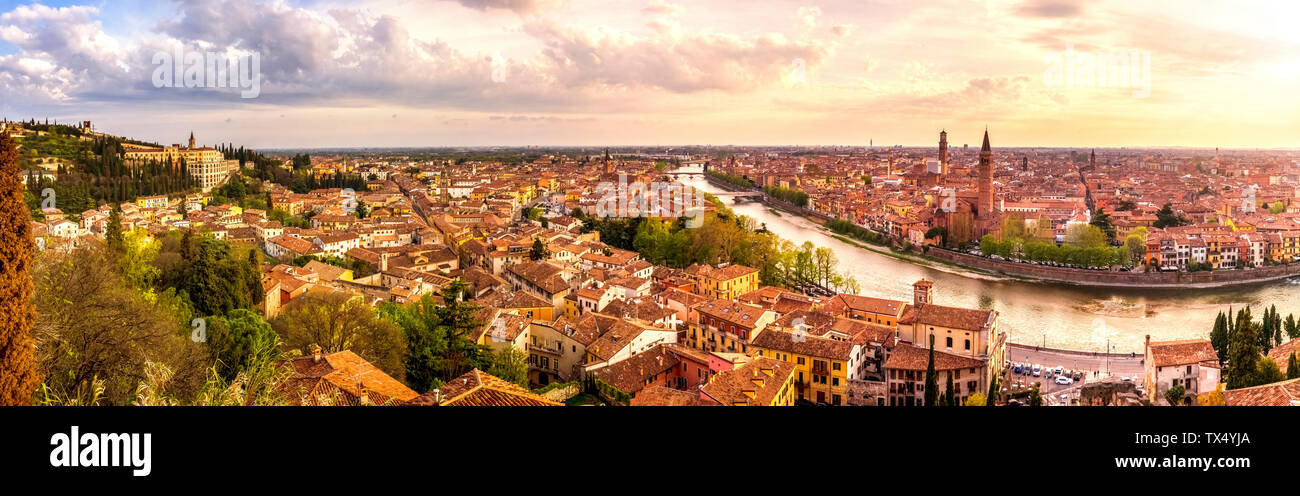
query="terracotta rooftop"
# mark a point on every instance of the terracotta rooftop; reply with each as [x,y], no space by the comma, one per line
[1182,352]
[478,388]
[1285,393]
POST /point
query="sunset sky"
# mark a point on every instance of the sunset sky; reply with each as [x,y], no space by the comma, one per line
[658,72]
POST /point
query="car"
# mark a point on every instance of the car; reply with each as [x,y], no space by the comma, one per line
[1126,379]
[1078,375]
[1065,399]
[1038,370]
[1019,368]
[1060,370]
[1063,380]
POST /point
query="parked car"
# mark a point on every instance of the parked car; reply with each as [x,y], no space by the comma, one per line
[1060,370]
[1019,368]
[1063,380]
[1126,379]
[1038,370]
[1078,375]
[1065,399]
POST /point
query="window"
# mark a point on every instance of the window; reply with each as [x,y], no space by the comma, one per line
[835,381]
[949,340]
[967,345]
[835,366]
[800,360]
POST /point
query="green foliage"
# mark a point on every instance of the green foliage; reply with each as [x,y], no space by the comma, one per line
[732,179]
[338,322]
[1292,366]
[538,252]
[234,340]
[794,196]
[1165,217]
[1175,395]
[931,379]
[438,337]
[510,365]
[219,279]
[1102,221]
[846,228]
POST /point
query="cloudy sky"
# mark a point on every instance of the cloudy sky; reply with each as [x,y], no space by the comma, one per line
[597,72]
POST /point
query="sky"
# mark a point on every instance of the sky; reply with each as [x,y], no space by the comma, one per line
[381,73]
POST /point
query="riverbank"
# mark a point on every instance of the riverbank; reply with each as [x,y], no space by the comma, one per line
[1048,274]
[1117,279]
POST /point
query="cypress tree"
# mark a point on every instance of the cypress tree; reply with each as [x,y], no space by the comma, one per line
[1243,352]
[113,233]
[1292,367]
[1219,338]
[949,395]
[931,379]
[18,376]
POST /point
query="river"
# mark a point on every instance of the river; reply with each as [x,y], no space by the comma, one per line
[1036,313]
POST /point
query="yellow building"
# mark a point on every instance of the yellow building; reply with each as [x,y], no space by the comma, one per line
[726,282]
[207,165]
[821,365]
[761,382]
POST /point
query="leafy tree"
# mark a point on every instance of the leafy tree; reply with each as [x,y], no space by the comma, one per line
[1219,338]
[97,334]
[233,341]
[538,251]
[338,322]
[363,209]
[1277,207]
[1101,220]
[438,336]
[511,365]
[113,232]
[1292,329]
[994,392]
[1243,352]
[949,394]
[931,379]
[1165,217]
[1175,395]
[1267,372]
[17,361]
[1292,367]
[977,399]
[1035,396]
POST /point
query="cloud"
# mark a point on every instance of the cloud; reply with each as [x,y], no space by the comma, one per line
[843,30]
[518,6]
[661,8]
[807,16]
[1050,8]
[678,63]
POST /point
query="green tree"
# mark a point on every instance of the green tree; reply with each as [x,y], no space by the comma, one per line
[1219,338]
[1267,372]
[1165,217]
[17,361]
[1292,367]
[438,336]
[1175,395]
[511,365]
[363,209]
[931,379]
[949,394]
[1243,352]
[1101,220]
[338,322]
[538,252]
[113,231]
[233,341]
[977,399]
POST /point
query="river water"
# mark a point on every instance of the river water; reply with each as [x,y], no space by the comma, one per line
[1036,313]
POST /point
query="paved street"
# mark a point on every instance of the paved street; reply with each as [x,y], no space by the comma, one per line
[1094,368]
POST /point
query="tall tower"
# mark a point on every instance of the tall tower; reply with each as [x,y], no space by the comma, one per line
[1092,161]
[922,292]
[943,152]
[191,140]
[985,206]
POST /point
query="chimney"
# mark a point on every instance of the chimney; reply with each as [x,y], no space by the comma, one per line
[315,353]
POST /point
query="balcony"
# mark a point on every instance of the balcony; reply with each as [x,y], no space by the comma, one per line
[553,350]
